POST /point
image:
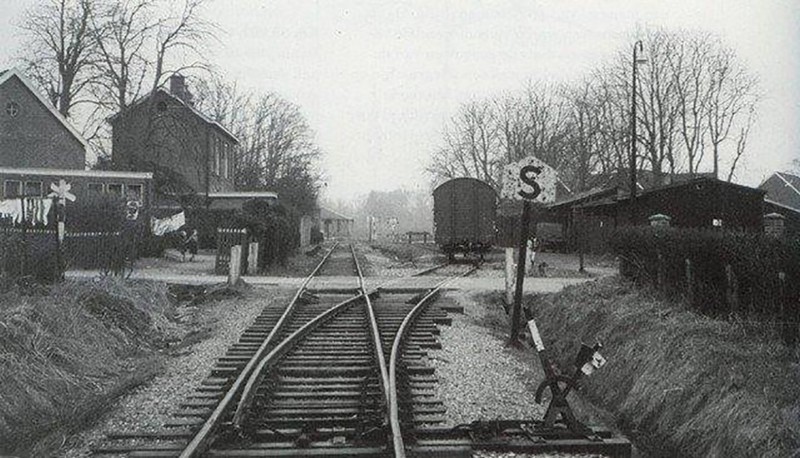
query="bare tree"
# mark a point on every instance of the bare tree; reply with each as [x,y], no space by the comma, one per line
[584,144]
[471,145]
[733,95]
[123,33]
[688,62]
[59,49]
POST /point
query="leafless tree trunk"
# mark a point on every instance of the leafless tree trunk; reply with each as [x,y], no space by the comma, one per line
[733,92]
[59,49]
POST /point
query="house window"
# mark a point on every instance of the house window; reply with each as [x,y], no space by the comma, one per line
[12,189]
[33,189]
[114,189]
[12,109]
[134,192]
[96,188]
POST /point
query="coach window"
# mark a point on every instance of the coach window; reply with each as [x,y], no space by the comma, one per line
[12,189]
[134,192]
[33,189]
[114,189]
[96,188]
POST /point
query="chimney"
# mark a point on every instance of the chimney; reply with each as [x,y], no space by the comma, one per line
[177,87]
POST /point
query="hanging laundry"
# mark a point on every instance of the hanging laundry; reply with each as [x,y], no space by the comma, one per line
[41,209]
[36,210]
[169,224]
[11,208]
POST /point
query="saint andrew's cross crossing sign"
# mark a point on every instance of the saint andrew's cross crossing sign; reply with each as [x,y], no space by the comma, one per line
[529,179]
[61,191]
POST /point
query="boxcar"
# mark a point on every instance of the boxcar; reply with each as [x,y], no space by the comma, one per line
[464,212]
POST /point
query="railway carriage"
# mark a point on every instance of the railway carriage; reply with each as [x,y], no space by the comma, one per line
[464,213]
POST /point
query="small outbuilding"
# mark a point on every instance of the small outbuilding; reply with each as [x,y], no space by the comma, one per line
[334,224]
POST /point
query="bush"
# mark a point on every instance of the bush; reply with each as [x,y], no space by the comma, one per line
[658,256]
[274,227]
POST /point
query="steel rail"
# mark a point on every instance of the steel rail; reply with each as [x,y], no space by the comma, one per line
[201,440]
[394,411]
[257,375]
[376,336]
[284,347]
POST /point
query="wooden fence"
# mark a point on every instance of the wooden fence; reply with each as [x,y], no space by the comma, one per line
[34,252]
[724,292]
[226,238]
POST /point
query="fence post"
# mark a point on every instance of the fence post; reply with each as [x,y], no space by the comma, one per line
[731,293]
[788,325]
[235,266]
[689,282]
[252,258]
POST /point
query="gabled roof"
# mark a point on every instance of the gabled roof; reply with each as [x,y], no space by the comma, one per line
[192,109]
[7,74]
[325,213]
[788,192]
[590,195]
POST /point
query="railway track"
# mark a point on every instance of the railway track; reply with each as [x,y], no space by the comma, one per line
[338,371]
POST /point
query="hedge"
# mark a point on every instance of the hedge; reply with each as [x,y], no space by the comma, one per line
[749,275]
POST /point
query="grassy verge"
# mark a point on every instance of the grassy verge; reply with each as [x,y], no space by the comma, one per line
[69,350]
[705,387]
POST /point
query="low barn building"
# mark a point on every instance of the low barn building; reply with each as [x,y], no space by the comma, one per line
[701,203]
[334,224]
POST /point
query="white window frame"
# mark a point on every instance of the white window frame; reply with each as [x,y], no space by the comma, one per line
[140,193]
[41,188]
[19,189]
[121,189]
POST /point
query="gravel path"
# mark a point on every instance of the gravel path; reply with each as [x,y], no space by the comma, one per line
[150,405]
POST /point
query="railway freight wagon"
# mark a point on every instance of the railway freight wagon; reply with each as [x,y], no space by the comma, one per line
[464,211]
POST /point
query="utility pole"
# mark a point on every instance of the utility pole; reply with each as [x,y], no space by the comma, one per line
[637,47]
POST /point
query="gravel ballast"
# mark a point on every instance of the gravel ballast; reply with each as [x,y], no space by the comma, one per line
[149,406]
[479,378]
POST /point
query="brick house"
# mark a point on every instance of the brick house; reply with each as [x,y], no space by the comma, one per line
[38,146]
[32,132]
[165,134]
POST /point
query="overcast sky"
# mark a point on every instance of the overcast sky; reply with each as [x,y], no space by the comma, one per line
[378,80]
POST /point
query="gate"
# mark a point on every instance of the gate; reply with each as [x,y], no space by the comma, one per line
[226,238]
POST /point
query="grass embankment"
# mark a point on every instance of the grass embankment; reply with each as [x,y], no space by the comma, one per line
[66,351]
[706,387]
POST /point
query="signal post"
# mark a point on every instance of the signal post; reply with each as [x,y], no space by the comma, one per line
[533,182]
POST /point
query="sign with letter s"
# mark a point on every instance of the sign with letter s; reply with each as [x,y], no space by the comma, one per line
[529,179]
